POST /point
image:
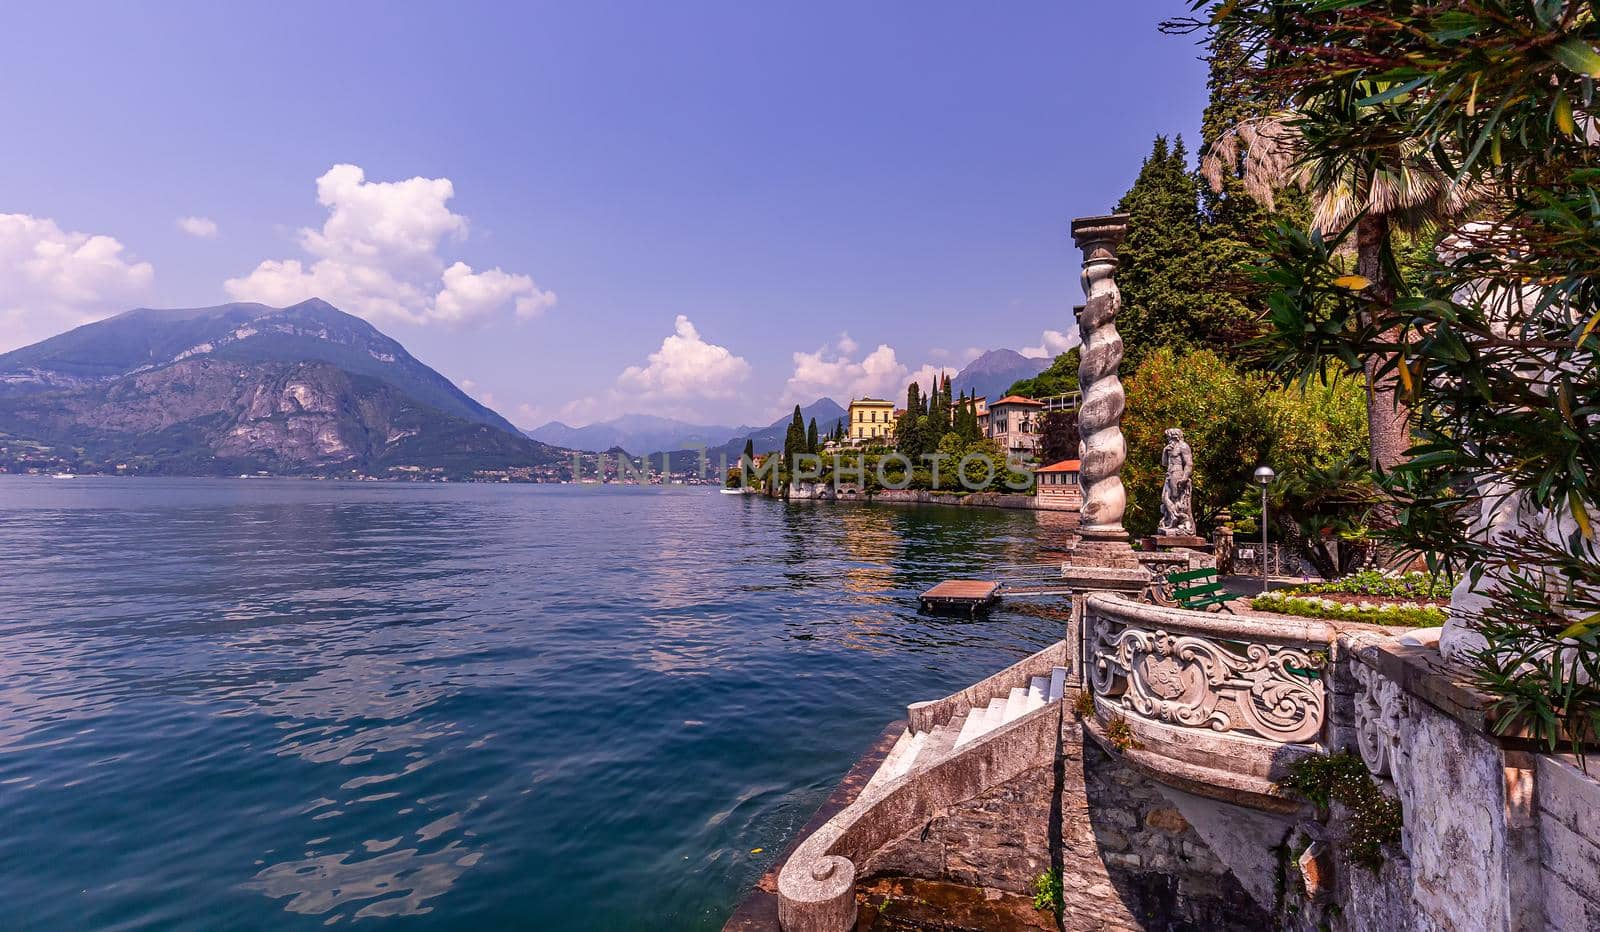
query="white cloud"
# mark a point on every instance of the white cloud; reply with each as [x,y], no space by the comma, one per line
[202,227]
[681,379]
[833,372]
[1053,344]
[52,280]
[468,295]
[924,377]
[687,367]
[378,255]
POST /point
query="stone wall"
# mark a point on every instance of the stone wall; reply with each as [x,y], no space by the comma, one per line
[823,492]
[1496,837]
[1569,842]
[1129,859]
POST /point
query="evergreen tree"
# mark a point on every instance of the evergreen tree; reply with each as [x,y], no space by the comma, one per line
[1059,436]
[1160,263]
[1059,379]
[967,423]
[1234,224]
[811,437]
[794,440]
[749,456]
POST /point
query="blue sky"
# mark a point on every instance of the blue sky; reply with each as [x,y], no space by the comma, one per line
[670,208]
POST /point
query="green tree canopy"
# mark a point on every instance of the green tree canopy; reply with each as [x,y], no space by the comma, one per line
[1176,291]
[1059,379]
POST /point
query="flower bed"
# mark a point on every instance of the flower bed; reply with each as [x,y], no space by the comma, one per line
[1395,614]
[1417,587]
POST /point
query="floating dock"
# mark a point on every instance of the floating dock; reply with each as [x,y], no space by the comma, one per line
[964,595]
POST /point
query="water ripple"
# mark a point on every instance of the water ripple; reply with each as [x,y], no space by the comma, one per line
[286,704]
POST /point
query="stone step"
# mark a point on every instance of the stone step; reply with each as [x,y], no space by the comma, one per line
[979,721]
[1058,684]
[1016,704]
[891,761]
[971,728]
[904,764]
[1038,693]
[942,740]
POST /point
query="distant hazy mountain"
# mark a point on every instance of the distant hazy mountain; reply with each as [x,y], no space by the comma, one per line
[769,439]
[995,371]
[636,433]
[246,387]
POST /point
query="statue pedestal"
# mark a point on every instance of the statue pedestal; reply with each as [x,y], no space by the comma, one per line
[1176,541]
[1105,547]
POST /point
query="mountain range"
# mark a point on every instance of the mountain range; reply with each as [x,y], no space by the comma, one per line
[635,433]
[769,439]
[242,388]
[309,389]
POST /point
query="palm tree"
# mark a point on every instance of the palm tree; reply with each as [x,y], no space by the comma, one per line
[1394,188]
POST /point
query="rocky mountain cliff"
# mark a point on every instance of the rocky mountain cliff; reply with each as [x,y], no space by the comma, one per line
[244,388]
[992,373]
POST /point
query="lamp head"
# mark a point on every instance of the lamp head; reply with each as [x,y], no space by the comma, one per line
[1265,475]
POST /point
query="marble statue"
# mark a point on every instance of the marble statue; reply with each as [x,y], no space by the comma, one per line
[1177,508]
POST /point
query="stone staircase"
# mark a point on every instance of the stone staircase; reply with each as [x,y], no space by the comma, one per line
[918,749]
[953,749]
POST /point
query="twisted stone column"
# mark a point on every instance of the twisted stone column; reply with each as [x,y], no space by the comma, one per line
[1102,448]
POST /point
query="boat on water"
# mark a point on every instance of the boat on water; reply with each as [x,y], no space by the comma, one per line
[63,475]
[735,491]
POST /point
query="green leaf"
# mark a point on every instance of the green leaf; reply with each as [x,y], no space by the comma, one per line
[1580,628]
[1393,92]
[1578,55]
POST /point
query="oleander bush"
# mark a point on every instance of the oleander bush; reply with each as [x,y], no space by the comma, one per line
[1468,127]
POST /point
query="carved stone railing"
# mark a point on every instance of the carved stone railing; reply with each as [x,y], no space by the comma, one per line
[1215,704]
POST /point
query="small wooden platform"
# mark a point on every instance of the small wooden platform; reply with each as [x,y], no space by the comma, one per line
[968,595]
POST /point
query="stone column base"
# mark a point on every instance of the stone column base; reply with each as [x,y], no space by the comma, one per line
[1104,547]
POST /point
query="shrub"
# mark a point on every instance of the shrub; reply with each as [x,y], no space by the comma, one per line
[1402,615]
[1376,818]
[1047,891]
[1416,586]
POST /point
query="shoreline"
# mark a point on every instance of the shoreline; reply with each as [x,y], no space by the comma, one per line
[1014,501]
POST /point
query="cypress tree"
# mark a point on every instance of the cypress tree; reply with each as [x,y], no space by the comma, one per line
[811,437]
[794,440]
[749,457]
[1161,267]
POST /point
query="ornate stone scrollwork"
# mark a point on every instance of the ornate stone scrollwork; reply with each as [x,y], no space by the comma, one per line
[1380,713]
[1270,691]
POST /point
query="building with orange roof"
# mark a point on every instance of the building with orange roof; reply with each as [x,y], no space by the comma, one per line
[1058,486]
[1014,423]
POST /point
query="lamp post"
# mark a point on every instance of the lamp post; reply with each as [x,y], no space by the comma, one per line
[1264,477]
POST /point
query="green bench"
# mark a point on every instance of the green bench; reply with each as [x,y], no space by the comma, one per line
[1199,589]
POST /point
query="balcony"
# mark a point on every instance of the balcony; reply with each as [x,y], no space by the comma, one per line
[1216,705]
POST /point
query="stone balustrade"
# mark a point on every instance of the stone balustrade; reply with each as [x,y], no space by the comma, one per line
[1216,704]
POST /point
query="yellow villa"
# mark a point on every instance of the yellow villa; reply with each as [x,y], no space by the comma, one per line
[871,420]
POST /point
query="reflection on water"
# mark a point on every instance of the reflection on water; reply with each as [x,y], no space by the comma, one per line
[288,704]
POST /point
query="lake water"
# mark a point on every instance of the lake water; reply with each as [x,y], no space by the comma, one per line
[279,704]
